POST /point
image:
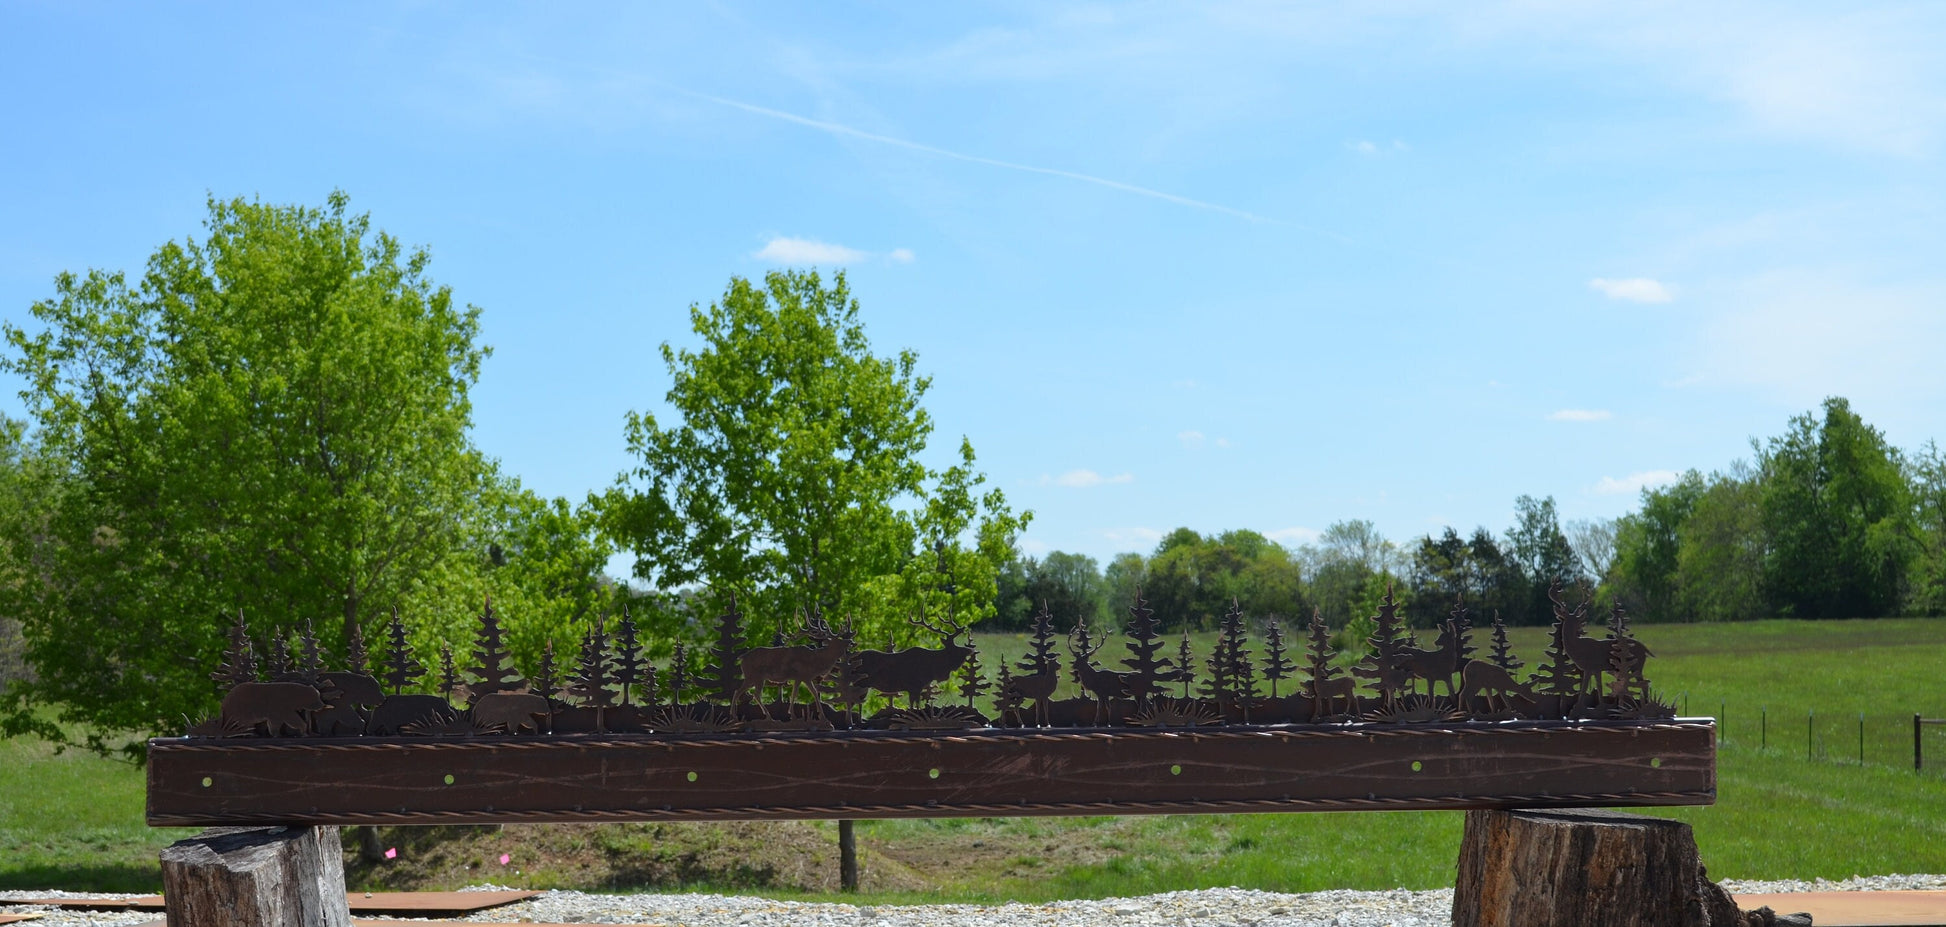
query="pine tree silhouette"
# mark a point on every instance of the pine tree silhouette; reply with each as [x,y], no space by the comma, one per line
[1503,654]
[1275,666]
[277,656]
[1006,699]
[239,659]
[493,669]
[1319,656]
[1624,677]
[448,674]
[971,683]
[401,670]
[728,653]
[1185,665]
[310,664]
[594,675]
[628,657]
[1381,666]
[1143,642]
[1041,655]
[1462,629]
[678,674]
[357,659]
[547,681]
[1558,675]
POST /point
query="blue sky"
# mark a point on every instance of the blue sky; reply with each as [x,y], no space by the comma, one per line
[1216,265]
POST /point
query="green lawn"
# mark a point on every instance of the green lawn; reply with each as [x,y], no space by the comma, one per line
[74,821]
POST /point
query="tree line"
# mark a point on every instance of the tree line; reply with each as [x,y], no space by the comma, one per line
[1828,520]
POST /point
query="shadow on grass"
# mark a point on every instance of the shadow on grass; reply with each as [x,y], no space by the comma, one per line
[114,877]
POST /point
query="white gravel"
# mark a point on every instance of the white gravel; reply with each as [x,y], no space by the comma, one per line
[1213,907]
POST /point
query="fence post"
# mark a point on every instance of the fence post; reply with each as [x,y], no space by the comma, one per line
[1918,757]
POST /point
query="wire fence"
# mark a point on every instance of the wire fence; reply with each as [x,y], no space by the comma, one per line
[1895,740]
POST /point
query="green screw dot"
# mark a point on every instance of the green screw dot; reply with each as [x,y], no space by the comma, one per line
[1656,763]
[207,782]
[932,773]
[1416,766]
[692,777]
[1175,770]
[449,778]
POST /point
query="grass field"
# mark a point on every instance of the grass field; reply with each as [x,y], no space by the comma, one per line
[74,821]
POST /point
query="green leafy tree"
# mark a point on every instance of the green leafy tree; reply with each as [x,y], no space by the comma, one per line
[273,418]
[1540,548]
[781,477]
[1837,510]
[1648,548]
[1720,560]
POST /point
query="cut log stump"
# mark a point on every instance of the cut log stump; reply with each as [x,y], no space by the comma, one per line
[1581,867]
[256,877]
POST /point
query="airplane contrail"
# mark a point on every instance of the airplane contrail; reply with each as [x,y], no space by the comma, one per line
[838,129]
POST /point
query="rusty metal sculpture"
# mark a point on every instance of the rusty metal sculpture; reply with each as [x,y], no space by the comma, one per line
[1174,714]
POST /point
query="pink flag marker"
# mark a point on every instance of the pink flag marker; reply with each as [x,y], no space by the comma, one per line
[506,858]
[391,852]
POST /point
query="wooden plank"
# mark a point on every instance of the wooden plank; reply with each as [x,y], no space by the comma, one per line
[17,918]
[884,774]
[72,904]
[431,903]
[396,902]
[1857,909]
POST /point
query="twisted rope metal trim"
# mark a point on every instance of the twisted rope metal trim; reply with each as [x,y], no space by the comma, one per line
[990,809]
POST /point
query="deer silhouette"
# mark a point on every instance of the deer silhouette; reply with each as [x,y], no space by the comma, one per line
[1326,693]
[1594,657]
[1103,684]
[1437,665]
[914,670]
[1479,677]
[791,667]
[1040,687]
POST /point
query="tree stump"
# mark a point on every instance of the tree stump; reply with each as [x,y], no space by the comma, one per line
[1580,867]
[256,877]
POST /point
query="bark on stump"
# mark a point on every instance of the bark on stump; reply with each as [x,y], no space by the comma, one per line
[256,877]
[1582,867]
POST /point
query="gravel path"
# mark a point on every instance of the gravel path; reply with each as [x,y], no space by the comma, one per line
[1213,907]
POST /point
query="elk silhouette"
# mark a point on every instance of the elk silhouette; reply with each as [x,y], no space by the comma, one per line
[793,666]
[913,670]
[1594,656]
[1104,685]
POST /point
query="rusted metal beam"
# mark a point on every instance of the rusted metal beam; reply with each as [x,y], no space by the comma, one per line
[891,774]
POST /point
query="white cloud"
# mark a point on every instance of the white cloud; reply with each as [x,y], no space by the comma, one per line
[1190,438]
[1373,149]
[1633,289]
[782,250]
[1294,535]
[1136,535]
[1580,415]
[1635,482]
[1084,479]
